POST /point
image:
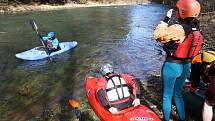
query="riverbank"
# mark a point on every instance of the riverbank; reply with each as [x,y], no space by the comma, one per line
[207,25]
[17,8]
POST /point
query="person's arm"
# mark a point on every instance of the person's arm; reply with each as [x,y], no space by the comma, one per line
[136,92]
[45,39]
[102,98]
[195,74]
[55,43]
[134,86]
[165,33]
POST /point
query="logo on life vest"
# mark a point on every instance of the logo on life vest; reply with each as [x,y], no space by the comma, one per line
[141,119]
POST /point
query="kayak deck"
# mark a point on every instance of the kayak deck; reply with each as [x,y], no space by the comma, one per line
[138,113]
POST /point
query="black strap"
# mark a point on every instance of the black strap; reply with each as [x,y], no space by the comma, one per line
[101,96]
[196,46]
[190,44]
[210,53]
[114,75]
[202,56]
[121,87]
[115,87]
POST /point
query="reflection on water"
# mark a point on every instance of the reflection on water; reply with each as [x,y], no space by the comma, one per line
[120,35]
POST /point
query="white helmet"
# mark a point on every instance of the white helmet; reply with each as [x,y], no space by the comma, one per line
[106,69]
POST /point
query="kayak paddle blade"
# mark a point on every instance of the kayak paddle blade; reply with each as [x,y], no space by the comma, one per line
[74,103]
[33,25]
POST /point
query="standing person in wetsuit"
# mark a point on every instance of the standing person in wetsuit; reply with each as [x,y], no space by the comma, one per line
[203,68]
[119,91]
[181,42]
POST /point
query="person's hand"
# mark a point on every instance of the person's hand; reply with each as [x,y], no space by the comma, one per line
[49,46]
[113,110]
[136,102]
[194,90]
[169,13]
[168,16]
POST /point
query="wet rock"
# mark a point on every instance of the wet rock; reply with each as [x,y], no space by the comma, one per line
[213,20]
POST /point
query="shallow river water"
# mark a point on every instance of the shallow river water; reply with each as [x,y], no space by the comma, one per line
[120,35]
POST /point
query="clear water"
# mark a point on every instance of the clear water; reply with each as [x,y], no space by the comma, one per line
[120,35]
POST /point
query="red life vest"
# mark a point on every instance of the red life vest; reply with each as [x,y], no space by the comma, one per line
[189,48]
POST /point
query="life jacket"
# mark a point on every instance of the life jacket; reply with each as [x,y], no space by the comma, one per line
[189,48]
[118,93]
[116,88]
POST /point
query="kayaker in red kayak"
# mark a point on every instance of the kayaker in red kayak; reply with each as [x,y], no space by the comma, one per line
[203,67]
[119,91]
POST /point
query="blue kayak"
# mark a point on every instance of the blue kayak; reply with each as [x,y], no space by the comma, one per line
[38,53]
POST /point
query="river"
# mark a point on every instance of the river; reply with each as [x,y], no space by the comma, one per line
[119,35]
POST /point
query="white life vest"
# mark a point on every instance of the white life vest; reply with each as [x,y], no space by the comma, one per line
[117,88]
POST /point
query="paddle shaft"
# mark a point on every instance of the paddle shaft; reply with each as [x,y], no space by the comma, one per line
[34,27]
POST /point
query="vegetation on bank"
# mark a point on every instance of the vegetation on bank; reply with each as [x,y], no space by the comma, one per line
[208,5]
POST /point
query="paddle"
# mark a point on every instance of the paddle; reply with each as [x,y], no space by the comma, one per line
[76,105]
[35,28]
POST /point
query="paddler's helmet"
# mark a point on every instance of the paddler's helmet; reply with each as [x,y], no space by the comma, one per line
[51,35]
[106,69]
[188,8]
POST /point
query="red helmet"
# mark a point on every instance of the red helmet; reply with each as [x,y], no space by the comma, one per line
[188,8]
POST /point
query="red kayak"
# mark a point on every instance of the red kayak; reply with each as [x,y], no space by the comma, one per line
[138,113]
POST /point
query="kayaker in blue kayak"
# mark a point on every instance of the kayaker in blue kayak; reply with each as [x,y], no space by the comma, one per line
[52,42]
[118,91]
[203,68]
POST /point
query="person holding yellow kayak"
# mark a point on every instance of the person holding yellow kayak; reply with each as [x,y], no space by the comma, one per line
[181,41]
[203,68]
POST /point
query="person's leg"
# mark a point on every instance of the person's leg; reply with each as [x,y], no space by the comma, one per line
[195,73]
[207,112]
[170,72]
[178,98]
